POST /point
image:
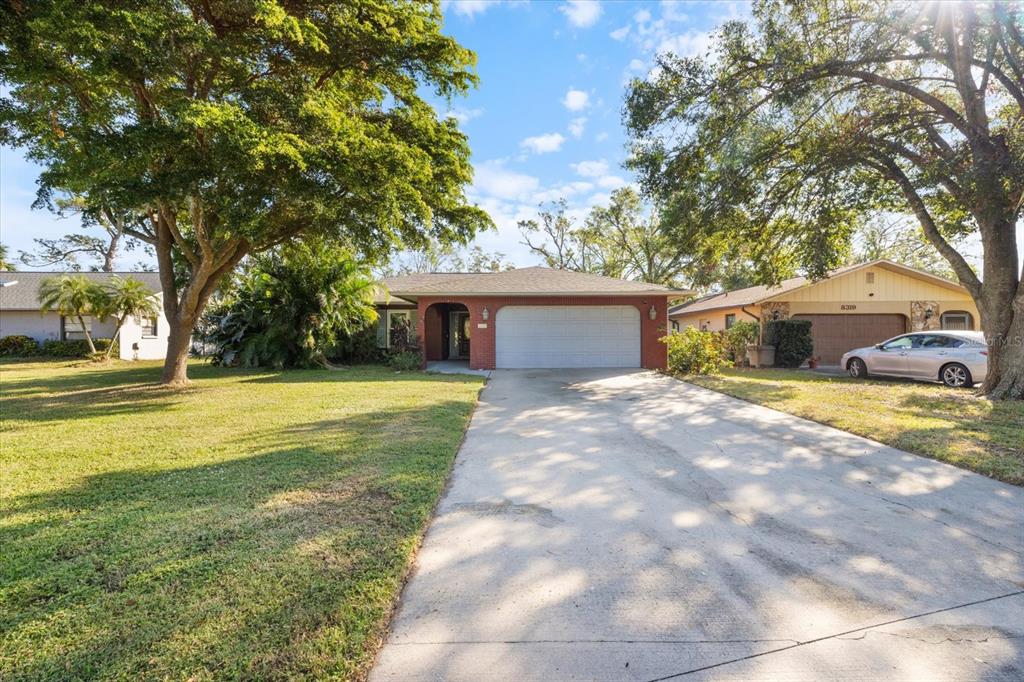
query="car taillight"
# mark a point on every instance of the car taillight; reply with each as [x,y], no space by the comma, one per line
[983,352]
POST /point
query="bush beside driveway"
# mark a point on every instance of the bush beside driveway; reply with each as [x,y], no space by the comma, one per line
[951,426]
[256,525]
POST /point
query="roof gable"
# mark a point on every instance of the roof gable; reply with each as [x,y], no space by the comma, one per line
[796,285]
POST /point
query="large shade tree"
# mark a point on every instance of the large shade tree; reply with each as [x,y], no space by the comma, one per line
[814,114]
[238,125]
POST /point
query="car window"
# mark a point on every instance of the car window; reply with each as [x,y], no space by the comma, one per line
[901,343]
[935,341]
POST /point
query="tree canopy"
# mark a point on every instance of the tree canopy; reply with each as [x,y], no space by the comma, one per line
[817,114]
[236,126]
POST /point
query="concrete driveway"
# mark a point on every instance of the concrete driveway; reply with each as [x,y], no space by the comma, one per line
[610,525]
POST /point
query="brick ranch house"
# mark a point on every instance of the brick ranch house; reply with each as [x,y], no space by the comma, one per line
[530,318]
[855,306]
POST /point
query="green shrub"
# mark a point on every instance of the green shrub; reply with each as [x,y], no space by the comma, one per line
[18,346]
[358,348]
[738,336]
[405,361]
[76,348]
[792,341]
[692,351]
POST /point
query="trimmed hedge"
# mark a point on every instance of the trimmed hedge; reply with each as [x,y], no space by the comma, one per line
[77,348]
[18,346]
[792,341]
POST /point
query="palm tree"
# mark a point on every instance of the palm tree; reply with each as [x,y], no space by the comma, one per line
[5,264]
[124,298]
[73,296]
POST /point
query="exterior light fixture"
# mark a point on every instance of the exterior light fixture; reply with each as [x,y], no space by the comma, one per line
[485,314]
[652,313]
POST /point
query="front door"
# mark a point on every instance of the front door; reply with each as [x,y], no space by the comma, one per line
[891,358]
[458,323]
[463,335]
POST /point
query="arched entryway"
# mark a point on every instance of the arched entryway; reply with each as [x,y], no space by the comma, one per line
[446,332]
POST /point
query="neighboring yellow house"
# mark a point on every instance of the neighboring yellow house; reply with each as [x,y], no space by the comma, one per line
[855,306]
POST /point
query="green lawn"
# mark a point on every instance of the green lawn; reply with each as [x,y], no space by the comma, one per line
[953,426]
[256,525]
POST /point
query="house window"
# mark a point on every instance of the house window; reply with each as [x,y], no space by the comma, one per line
[675,325]
[871,278]
[148,326]
[73,328]
[730,320]
[387,322]
[957,320]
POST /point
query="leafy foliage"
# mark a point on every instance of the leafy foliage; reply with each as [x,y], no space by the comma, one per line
[290,308]
[235,127]
[623,239]
[18,346]
[692,351]
[445,258]
[6,264]
[738,336]
[73,296]
[820,113]
[76,348]
[405,361]
[792,340]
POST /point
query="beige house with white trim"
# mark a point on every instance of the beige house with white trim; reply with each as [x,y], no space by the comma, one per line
[857,305]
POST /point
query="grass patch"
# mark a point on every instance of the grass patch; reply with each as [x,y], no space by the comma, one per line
[952,426]
[256,525]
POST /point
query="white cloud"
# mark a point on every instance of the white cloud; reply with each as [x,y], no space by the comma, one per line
[543,144]
[642,17]
[465,115]
[689,44]
[581,13]
[636,65]
[576,100]
[620,33]
[599,199]
[671,10]
[491,178]
[611,181]
[591,169]
[468,8]
[601,137]
[576,126]
[565,191]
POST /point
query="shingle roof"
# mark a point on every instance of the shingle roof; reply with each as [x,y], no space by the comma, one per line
[20,290]
[757,294]
[534,281]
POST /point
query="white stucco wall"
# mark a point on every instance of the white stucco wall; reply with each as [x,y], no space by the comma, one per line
[46,327]
[29,323]
[150,347]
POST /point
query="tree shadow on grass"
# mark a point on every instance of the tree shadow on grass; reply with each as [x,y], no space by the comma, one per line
[283,563]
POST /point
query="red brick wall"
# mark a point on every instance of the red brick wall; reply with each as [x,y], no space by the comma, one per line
[431,340]
[653,353]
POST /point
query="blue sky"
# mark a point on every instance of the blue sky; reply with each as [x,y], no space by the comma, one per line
[544,123]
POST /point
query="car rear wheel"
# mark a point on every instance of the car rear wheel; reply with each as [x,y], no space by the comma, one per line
[857,369]
[956,376]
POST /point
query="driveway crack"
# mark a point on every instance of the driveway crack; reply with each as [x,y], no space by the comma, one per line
[836,635]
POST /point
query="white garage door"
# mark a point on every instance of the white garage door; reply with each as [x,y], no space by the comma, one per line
[567,336]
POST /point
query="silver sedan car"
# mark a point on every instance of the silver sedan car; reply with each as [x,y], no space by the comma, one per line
[956,358]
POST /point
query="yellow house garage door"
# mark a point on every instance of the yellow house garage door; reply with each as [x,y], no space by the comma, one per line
[835,334]
[567,336]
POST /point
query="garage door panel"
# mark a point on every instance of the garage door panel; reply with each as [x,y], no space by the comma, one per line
[835,334]
[567,336]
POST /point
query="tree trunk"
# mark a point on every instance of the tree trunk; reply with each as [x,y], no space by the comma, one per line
[178,343]
[88,336]
[1005,378]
